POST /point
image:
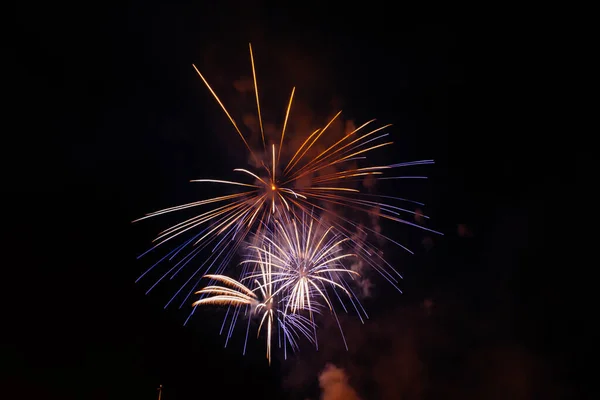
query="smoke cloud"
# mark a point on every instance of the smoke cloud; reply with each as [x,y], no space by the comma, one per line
[463,231]
[431,350]
[334,384]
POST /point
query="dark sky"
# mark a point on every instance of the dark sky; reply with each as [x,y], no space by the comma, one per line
[111,122]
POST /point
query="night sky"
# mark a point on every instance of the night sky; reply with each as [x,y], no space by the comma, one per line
[112,122]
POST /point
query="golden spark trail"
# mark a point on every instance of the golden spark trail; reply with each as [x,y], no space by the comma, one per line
[262,133]
[287,114]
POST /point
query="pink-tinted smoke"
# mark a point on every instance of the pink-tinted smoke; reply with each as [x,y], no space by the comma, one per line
[424,352]
[334,384]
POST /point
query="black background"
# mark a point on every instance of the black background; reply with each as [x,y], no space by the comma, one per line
[111,122]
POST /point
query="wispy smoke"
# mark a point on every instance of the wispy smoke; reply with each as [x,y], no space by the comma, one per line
[334,384]
[419,216]
[463,231]
[424,352]
[358,266]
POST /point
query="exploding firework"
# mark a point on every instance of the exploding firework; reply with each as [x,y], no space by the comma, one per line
[300,184]
[291,268]
[296,208]
[305,260]
[260,301]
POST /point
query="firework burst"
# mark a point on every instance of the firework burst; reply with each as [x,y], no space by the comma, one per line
[304,259]
[323,182]
[297,255]
[260,301]
[286,278]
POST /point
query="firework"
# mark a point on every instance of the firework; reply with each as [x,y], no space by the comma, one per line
[290,270]
[260,301]
[296,208]
[280,187]
[303,261]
